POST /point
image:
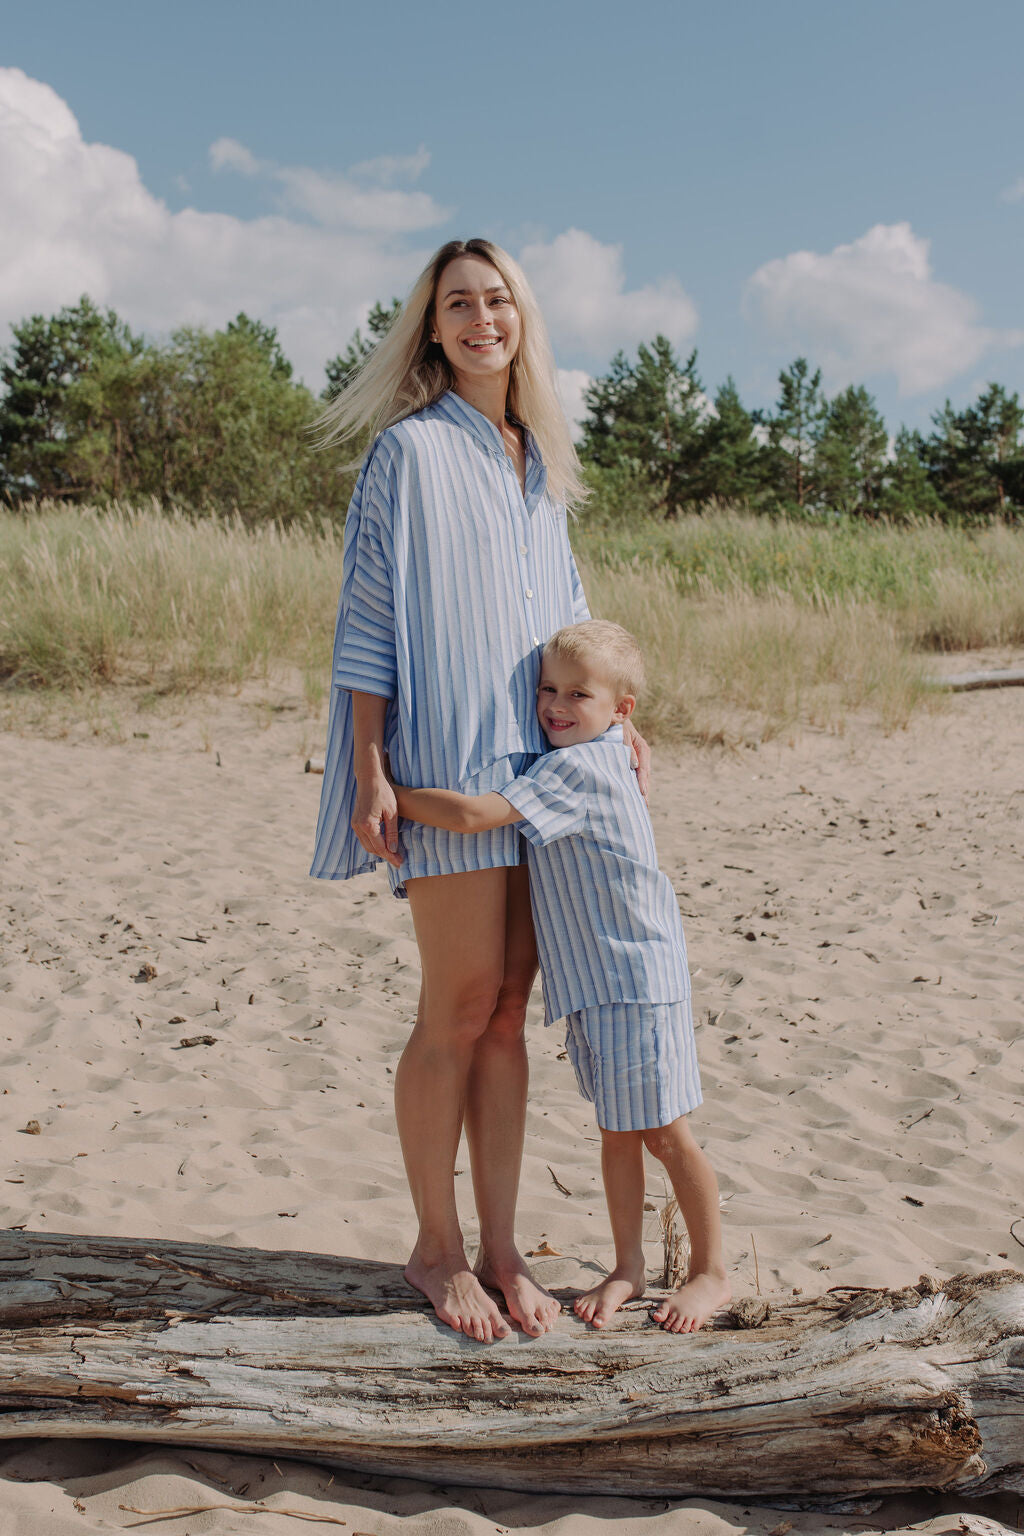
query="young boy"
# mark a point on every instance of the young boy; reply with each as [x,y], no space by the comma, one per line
[612,955]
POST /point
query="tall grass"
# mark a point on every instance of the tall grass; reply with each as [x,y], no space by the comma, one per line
[728,665]
[949,588]
[748,624]
[169,599]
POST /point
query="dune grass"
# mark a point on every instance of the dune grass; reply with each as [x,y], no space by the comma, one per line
[166,599]
[750,626]
[948,588]
[725,665]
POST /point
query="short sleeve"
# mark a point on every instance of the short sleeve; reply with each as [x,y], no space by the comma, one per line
[550,797]
[365,658]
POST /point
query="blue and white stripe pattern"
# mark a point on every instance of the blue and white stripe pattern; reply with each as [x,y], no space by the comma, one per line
[607,919]
[636,1062]
[452,581]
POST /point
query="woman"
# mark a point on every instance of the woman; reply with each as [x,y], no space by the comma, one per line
[457,568]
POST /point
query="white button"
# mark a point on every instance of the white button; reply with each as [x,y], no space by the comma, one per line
[536,640]
[523,549]
[529,591]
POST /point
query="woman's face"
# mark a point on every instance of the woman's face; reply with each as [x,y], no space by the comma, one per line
[475,319]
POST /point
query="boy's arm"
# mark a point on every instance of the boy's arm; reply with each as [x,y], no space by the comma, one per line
[453,812]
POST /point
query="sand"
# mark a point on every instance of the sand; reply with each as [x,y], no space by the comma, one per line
[852,906]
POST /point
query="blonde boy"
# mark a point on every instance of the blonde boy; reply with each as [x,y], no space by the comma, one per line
[612,954]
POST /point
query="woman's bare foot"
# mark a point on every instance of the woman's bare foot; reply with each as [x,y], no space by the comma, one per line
[457,1297]
[689,1308]
[532,1307]
[624,1284]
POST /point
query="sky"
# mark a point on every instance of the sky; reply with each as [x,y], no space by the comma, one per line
[759,181]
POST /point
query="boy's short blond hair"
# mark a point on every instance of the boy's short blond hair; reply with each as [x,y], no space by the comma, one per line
[606,646]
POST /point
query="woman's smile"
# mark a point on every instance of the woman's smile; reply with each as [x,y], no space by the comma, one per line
[475,320]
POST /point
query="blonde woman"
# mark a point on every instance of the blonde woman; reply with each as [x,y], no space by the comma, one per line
[457,569]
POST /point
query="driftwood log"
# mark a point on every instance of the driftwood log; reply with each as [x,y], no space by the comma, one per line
[961,682]
[337,1360]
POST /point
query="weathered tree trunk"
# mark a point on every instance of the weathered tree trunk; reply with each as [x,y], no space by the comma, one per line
[960,682]
[338,1360]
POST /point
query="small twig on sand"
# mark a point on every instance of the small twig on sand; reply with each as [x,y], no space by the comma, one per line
[757,1272]
[920,1118]
[558,1183]
[1019,1222]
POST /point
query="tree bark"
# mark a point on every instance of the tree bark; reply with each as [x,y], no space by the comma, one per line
[340,1361]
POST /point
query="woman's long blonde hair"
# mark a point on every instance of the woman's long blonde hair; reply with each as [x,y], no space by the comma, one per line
[407,371]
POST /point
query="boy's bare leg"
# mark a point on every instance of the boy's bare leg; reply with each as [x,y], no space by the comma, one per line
[622,1166]
[496,1121]
[696,1189]
[460,930]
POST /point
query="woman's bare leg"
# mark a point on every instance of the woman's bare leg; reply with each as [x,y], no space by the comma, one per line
[496,1120]
[460,929]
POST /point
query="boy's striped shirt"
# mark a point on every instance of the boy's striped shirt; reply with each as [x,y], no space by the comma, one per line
[607,919]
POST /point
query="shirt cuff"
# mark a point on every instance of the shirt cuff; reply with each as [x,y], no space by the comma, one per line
[356,682]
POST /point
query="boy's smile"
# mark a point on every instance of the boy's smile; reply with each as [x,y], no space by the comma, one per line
[577,703]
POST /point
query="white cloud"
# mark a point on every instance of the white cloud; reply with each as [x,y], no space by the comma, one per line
[1014,192]
[389,168]
[582,289]
[76,218]
[571,384]
[337,201]
[873,307]
[229,155]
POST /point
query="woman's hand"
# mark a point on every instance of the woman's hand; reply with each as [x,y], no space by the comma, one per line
[641,755]
[376,804]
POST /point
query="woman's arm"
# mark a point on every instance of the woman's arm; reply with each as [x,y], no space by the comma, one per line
[453,812]
[375,798]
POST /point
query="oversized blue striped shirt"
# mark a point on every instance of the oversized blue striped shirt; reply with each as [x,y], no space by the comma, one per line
[607,919]
[452,581]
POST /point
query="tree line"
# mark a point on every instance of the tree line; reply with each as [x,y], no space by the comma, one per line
[655,440]
[91,411]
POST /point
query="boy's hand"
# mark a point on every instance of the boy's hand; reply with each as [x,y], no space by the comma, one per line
[641,755]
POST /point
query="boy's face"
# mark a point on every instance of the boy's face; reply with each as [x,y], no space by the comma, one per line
[576,702]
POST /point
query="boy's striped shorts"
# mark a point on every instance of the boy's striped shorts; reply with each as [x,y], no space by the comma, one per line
[637,1062]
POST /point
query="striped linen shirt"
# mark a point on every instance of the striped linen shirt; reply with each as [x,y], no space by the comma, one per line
[452,581]
[607,919]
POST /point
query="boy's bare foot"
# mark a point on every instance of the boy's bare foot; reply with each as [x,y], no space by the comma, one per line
[457,1297]
[689,1308]
[533,1308]
[596,1306]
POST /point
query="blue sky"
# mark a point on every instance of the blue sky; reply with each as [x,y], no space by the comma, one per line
[756,180]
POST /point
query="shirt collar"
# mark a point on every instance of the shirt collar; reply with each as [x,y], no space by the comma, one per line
[455,409]
[613,736]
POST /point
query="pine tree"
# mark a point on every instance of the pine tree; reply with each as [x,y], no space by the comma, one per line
[907,491]
[645,419]
[733,465]
[40,416]
[794,429]
[849,455]
[340,369]
[975,459]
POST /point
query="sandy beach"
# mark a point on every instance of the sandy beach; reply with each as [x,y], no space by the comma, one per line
[852,907]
